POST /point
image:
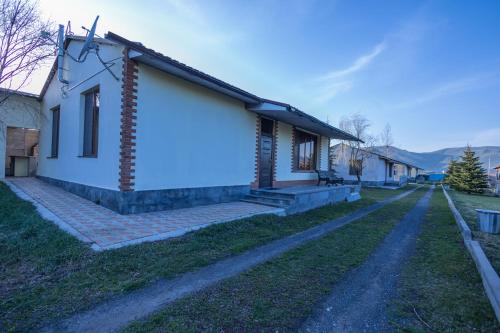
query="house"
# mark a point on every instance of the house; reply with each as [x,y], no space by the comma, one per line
[497,187]
[375,168]
[435,177]
[19,125]
[132,143]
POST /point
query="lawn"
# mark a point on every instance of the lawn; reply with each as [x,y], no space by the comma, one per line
[47,274]
[440,289]
[382,193]
[466,203]
[278,295]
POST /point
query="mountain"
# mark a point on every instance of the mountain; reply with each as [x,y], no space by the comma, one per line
[438,160]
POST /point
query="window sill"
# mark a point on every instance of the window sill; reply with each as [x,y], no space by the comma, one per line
[52,157]
[87,156]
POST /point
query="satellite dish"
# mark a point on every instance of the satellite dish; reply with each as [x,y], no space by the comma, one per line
[89,41]
[60,54]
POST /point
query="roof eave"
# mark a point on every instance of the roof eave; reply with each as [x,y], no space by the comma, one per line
[382,157]
[156,60]
[288,114]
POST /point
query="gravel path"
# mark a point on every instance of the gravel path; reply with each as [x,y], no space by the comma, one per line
[360,301]
[115,314]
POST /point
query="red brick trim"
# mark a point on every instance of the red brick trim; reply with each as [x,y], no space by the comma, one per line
[318,150]
[255,183]
[275,150]
[293,168]
[128,123]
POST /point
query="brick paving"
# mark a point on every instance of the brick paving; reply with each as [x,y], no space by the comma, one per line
[107,229]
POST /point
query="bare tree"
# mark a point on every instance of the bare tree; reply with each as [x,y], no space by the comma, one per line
[386,139]
[359,152]
[22,47]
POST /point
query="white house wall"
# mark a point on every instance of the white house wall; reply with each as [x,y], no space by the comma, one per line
[189,136]
[284,170]
[16,111]
[325,146]
[374,168]
[68,166]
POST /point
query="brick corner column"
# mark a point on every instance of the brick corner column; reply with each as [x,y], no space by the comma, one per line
[128,124]
[320,138]
[275,152]
[255,184]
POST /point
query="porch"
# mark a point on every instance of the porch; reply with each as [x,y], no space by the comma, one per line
[105,229]
[298,199]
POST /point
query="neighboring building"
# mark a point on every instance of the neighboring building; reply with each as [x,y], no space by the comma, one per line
[377,169]
[19,125]
[497,187]
[166,135]
[435,177]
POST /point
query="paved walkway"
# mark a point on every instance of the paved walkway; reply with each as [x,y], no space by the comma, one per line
[106,229]
[359,303]
[113,315]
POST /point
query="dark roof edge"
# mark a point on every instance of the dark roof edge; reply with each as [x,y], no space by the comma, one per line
[312,118]
[141,48]
[18,92]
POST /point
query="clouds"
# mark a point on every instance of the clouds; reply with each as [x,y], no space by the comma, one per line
[486,137]
[447,88]
[329,85]
[357,65]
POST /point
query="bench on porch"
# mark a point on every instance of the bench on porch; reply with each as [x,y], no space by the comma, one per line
[329,177]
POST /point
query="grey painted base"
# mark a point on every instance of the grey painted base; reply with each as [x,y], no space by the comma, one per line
[365,182]
[314,199]
[154,200]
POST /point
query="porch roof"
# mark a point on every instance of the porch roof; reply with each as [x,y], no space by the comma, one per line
[288,114]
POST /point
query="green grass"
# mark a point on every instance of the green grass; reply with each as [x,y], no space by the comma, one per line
[278,295]
[466,203]
[47,274]
[441,281]
[382,193]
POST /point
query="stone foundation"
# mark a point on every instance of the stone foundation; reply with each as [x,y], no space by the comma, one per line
[154,200]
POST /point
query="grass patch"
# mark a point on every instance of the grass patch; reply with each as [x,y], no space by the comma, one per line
[47,274]
[466,204]
[441,281]
[278,295]
[380,194]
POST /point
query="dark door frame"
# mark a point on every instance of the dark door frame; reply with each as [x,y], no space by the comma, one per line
[266,152]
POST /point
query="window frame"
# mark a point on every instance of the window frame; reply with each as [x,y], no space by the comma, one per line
[55,131]
[94,134]
[305,144]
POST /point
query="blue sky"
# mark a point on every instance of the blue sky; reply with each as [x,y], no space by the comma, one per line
[429,68]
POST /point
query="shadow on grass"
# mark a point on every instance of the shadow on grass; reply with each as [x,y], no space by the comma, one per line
[48,274]
[440,288]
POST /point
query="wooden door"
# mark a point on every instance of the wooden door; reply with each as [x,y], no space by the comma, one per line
[266,161]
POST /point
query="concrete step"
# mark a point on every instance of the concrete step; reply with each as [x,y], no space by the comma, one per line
[265,203]
[264,198]
[283,201]
[268,193]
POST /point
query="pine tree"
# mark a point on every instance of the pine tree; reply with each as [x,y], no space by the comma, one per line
[471,176]
[452,173]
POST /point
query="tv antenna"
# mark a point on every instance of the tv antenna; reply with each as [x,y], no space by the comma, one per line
[89,46]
